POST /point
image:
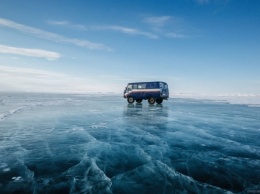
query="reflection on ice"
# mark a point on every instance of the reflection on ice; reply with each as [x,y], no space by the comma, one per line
[100,144]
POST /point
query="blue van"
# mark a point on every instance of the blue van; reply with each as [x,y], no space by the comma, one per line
[155,91]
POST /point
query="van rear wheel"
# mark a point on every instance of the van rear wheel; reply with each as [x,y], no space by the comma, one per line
[130,100]
[159,101]
[151,100]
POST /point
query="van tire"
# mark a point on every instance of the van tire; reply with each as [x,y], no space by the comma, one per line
[159,101]
[139,100]
[151,100]
[130,100]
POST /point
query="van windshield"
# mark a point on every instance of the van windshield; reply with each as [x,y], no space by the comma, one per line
[129,87]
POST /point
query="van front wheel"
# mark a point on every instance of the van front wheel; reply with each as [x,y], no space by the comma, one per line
[151,100]
[130,100]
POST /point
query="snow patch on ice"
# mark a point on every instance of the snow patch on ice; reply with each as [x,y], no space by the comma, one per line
[10,113]
[6,169]
[17,179]
[98,125]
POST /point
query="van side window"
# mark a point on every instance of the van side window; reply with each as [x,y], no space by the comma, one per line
[135,86]
[141,86]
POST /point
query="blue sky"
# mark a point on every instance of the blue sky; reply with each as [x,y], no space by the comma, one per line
[196,46]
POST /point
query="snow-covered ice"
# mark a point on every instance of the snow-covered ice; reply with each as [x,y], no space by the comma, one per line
[61,143]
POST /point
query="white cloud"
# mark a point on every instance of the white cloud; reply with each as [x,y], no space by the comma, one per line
[29,52]
[126,30]
[202,1]
[121,29]
[115,78]
[157,21]
[52,36]
[175,35]
[220,2]
[67,24]
[166,26]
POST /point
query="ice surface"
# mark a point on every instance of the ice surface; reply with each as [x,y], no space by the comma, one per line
[60,143]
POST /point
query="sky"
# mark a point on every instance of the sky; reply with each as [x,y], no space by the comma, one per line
[209,47]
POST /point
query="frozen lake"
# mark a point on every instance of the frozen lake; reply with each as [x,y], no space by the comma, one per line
[52,143]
